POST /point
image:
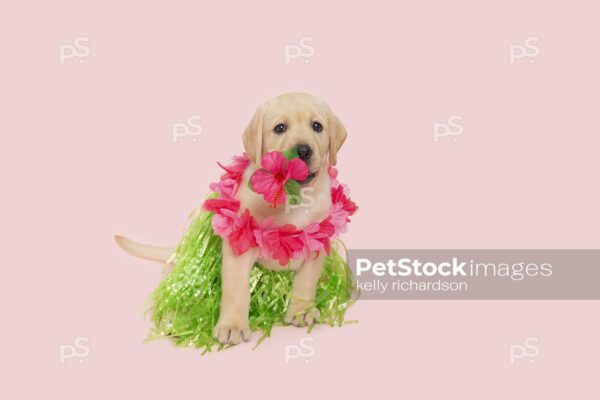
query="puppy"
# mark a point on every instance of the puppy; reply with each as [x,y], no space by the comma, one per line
[291,120]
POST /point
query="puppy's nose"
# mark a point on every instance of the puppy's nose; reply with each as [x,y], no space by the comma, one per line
[305,152]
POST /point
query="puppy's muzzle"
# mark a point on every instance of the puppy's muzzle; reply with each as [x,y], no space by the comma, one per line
[305,153]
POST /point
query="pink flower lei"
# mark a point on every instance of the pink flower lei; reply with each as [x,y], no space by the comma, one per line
[278,242]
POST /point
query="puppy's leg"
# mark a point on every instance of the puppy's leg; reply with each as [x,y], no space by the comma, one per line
[235,300]
[302,310]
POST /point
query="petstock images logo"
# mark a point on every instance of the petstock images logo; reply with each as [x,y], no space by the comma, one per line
[477,274]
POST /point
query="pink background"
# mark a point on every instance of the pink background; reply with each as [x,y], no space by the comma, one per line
[87,152]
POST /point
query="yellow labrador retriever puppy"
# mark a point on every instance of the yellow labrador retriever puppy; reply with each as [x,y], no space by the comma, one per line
[291,120]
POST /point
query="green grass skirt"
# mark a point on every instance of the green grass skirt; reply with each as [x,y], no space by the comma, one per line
[185,306]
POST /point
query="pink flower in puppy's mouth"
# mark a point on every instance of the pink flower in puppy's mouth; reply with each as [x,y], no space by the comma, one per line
[275,173]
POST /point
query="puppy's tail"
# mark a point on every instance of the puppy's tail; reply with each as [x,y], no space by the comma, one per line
[154,253]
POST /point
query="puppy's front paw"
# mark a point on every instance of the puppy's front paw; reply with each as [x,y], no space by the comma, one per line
[232,333]
[303,318]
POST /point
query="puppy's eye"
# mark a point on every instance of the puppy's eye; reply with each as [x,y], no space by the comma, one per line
[279,129]
[317,127]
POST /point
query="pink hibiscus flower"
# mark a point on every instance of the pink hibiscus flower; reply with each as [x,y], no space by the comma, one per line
[242,237]
[216,205]
[338,217]
[339,196]
[223,222]
[281,243]
[236,168]
[225,213]
[259,232]
[312,238]
[225,187]
[276,171]
[316,236]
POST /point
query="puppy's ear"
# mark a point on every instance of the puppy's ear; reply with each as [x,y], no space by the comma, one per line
[253,134]
[337,136]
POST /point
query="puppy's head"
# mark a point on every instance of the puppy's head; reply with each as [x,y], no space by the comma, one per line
[296,120]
